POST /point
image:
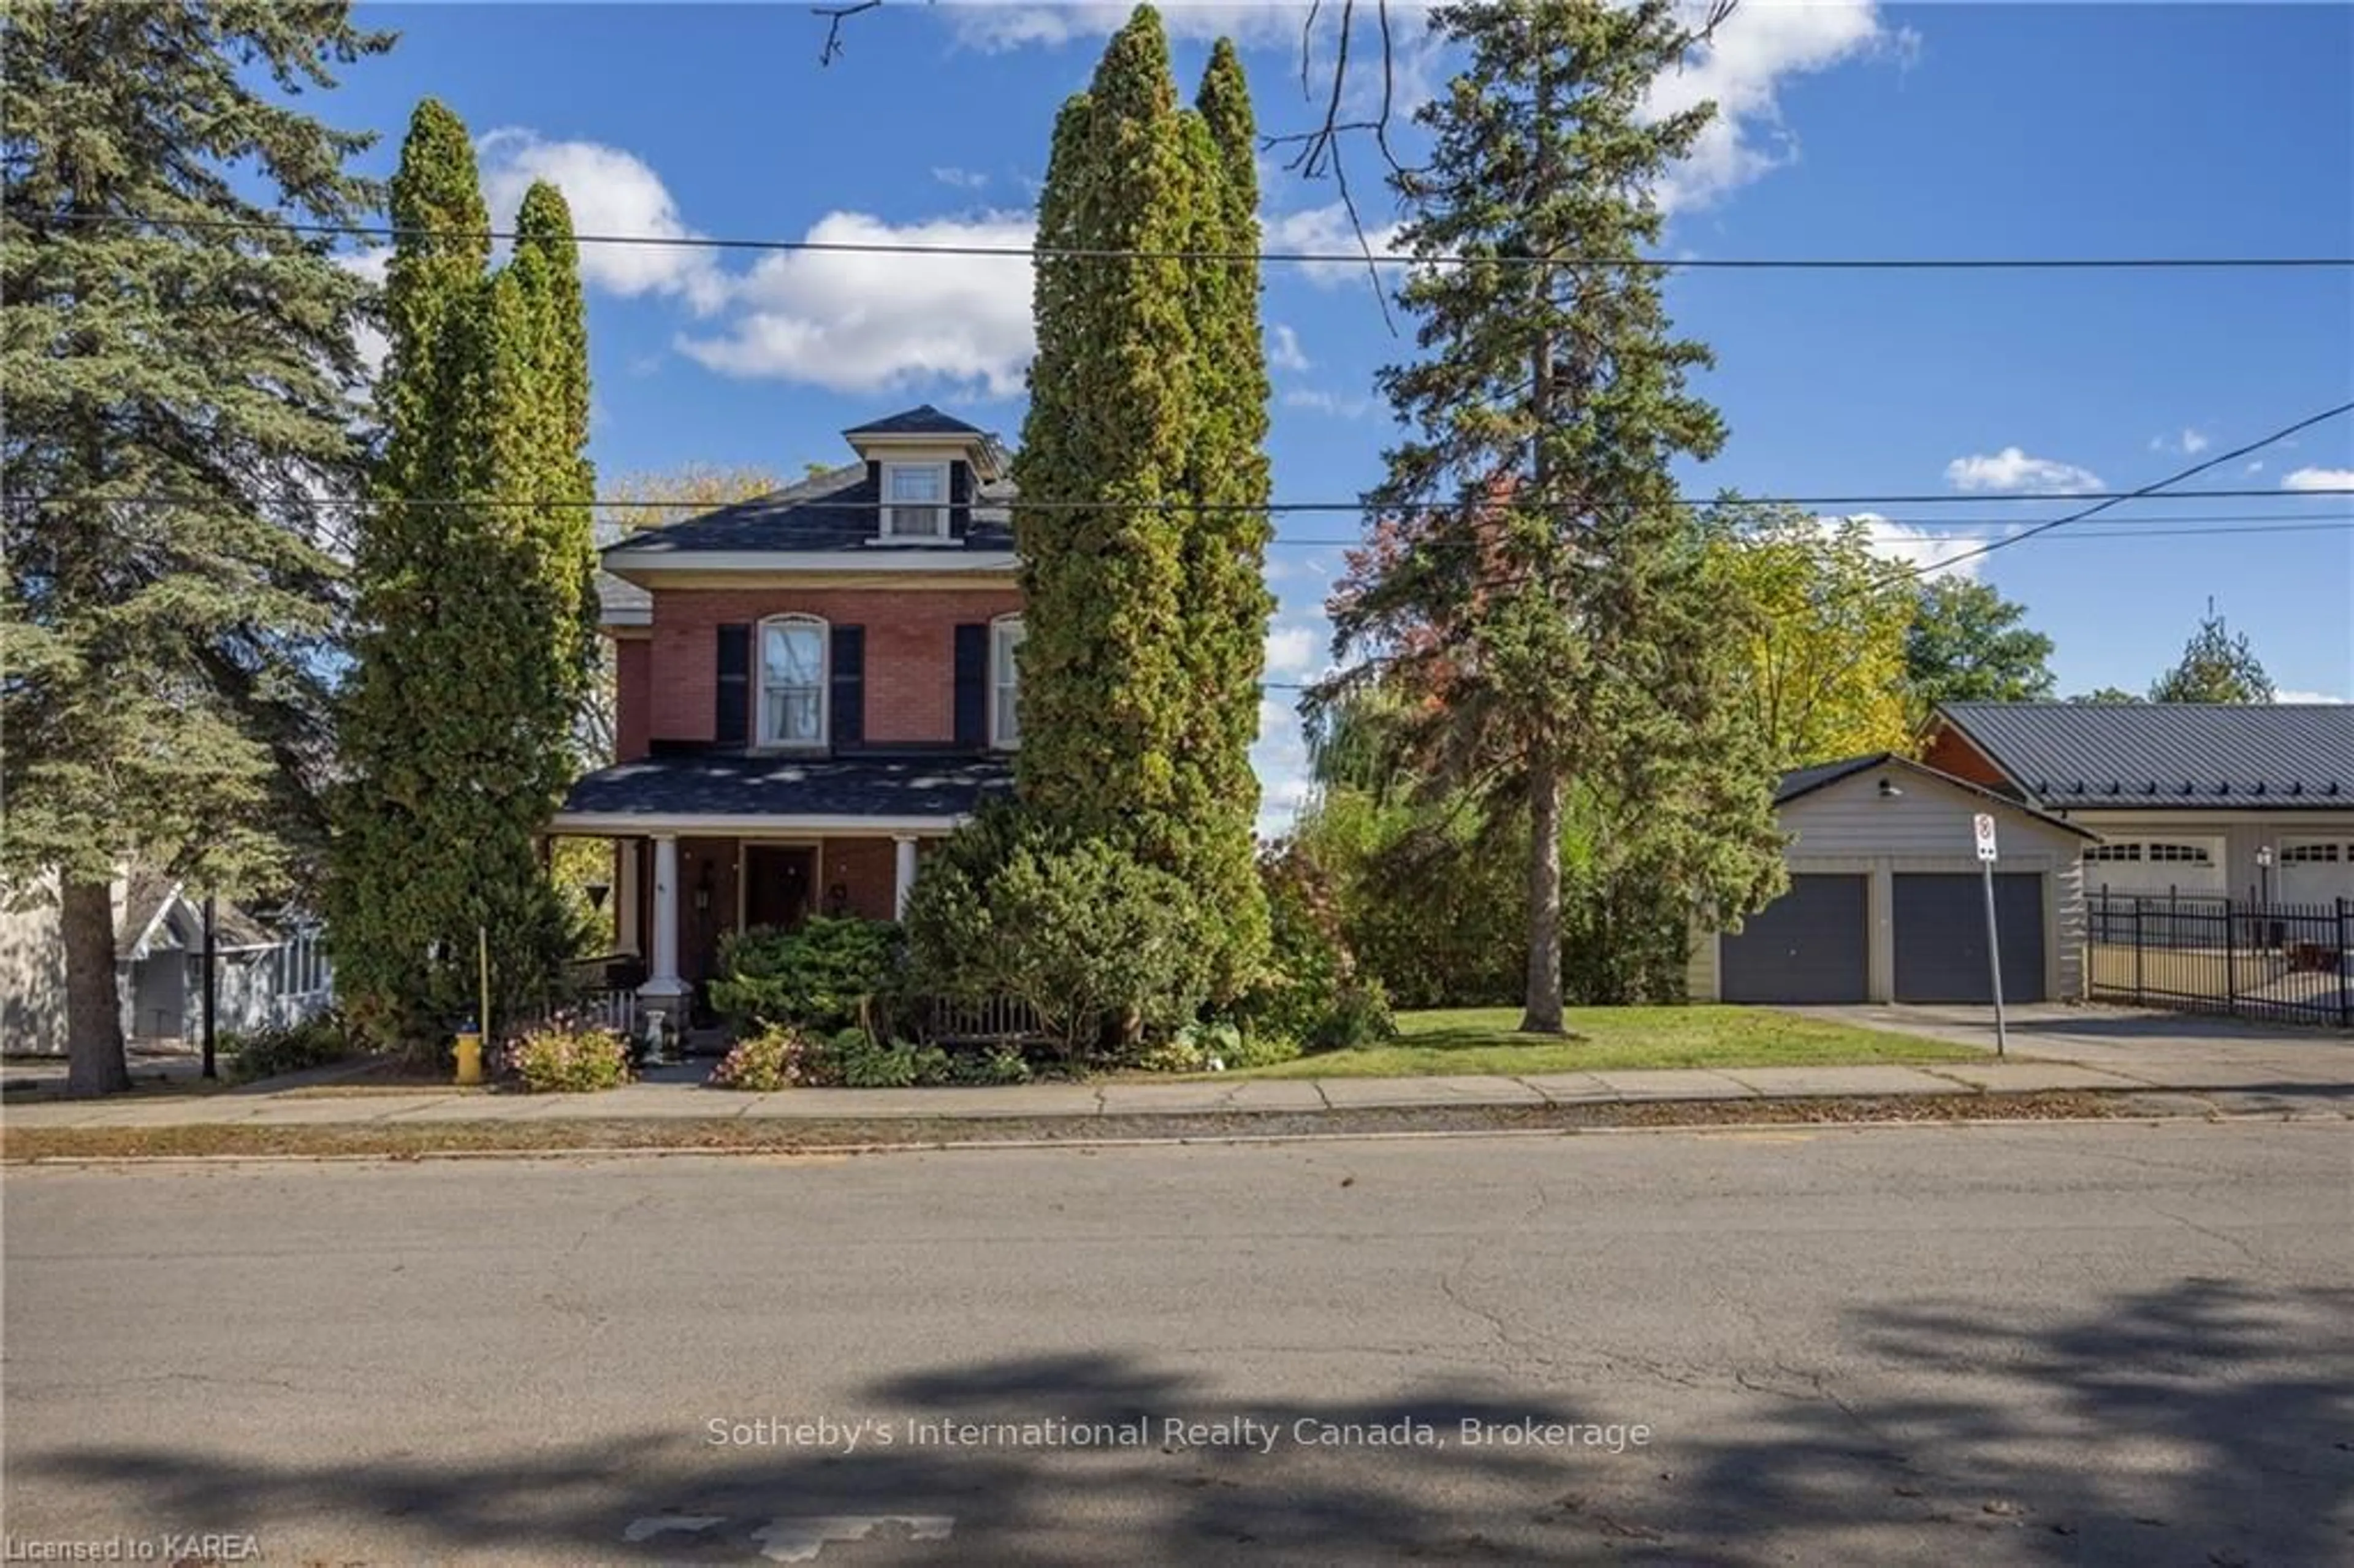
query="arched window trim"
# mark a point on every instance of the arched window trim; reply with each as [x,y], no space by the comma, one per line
[766,738]
[1004,684]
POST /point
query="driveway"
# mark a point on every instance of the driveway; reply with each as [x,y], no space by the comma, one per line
[2186,1050]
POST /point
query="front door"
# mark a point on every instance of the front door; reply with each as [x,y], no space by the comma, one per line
[778,883]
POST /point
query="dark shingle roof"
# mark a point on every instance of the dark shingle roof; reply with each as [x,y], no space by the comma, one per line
[1806,780]
[835,510]
[924,420]
[2202,756]
[732,784]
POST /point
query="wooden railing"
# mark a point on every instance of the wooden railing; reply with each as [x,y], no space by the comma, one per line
[999,1019]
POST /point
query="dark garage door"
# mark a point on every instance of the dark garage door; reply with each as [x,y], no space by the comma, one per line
[1807,946]
[1941,948]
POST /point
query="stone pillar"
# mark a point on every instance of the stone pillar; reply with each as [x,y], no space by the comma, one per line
[903,877]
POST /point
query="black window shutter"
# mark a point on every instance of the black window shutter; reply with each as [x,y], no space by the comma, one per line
[847,698]
[959,498]
[972,687]
[731,723]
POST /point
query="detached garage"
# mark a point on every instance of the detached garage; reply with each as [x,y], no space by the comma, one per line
[1887,902]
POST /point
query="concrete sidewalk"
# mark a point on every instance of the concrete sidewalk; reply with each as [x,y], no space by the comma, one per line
[2052,1049]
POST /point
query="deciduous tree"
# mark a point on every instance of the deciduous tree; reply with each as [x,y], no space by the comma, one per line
[1827,642]
[1967,643]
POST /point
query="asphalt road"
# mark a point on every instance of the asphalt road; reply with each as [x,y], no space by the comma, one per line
[1991,1345]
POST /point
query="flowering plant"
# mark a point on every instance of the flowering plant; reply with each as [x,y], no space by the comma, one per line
[562,1056]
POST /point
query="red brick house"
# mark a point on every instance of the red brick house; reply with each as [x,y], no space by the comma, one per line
[812,686]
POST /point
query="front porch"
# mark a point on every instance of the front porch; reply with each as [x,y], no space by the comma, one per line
[705,845]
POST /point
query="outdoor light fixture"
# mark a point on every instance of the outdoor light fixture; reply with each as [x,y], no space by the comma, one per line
[596,891]
[1889,791]
[703,890]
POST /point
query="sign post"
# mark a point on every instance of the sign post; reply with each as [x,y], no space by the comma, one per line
[1984,824]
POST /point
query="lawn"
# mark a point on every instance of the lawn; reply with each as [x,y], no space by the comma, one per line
[1486,1040]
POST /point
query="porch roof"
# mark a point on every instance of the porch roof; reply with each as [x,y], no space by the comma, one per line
[740,792]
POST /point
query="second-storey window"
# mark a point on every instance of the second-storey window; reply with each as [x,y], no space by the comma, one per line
[915,501]
[792,681]
[1005,682]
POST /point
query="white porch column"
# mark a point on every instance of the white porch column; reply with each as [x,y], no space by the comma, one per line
[903,873]
[625,897]
[664,986]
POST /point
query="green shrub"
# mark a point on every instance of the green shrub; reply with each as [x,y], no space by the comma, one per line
[1314,994]
[1099,946]
[998,1064]
[314,1042]
[775,1058]
[563,1057]
[859,1060]
[815,978]
[1257,1048]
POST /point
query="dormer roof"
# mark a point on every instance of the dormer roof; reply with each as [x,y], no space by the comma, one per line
[921,420]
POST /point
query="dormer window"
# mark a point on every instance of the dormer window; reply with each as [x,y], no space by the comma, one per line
[915,501]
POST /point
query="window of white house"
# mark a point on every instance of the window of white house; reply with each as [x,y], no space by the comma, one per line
[2113,851]
[2185,854]
[915,501]
[1005,682]
[792,681]
[2309,854]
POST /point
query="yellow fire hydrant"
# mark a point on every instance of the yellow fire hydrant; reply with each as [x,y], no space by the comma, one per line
[469,1057]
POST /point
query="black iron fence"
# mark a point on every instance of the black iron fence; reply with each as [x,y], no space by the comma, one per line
[2288,961]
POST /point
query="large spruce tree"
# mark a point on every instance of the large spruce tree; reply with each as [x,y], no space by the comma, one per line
[177,370]
[474,571]
[1140,474]
[1540,596]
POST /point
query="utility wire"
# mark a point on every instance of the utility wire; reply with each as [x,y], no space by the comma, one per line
[2106,498]
[2145,491]
[1341,258]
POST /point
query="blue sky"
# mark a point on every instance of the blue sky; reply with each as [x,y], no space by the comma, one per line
[1854,129]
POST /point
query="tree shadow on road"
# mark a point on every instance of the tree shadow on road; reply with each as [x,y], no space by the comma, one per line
[2208,1422]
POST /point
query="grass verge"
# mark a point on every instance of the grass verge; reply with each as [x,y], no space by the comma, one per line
[737,1135]
[1622,1039]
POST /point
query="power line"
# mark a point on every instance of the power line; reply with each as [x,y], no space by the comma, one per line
[2106,498]
[2145,491]
[1318,257]
[2115,528]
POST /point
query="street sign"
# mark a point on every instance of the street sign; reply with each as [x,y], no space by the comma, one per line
[1983,823]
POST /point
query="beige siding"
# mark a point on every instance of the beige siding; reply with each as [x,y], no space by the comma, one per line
[2243,832]
[1849,827]
[33,973]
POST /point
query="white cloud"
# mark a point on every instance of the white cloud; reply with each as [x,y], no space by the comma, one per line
[1280,760]
[2319,479]
[962,179]
[999,25]
[2189,443]
[1332,403]
[609,192]
[1283,349]
[1927,553]
[373,348]
[2011,469]
[1327,231]
[2325,697]
[1743,70]
[1291,652]
[861,322]
[2255,465]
